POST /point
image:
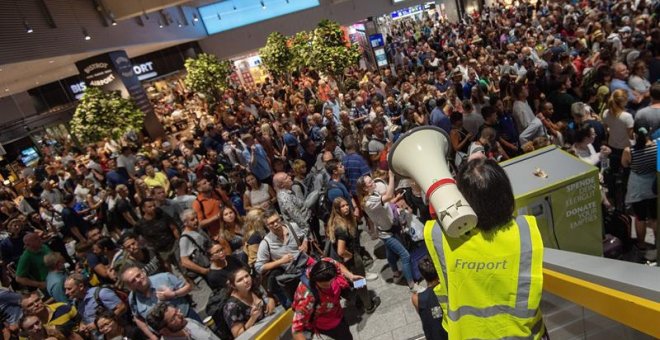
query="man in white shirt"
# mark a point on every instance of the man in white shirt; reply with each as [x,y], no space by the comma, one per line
[522,112]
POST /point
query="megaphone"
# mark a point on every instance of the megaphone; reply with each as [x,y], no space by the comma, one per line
[420,154]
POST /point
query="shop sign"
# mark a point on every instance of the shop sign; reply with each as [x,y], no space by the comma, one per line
[98,74]
[404,12]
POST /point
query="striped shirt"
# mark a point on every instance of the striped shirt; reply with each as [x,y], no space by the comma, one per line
[644,160]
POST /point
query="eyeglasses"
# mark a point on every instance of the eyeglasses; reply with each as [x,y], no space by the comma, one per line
[274,222]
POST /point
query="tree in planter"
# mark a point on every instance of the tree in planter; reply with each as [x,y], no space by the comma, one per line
[330,52]
[102,115]
[276,56]
[300,46]
[207,75]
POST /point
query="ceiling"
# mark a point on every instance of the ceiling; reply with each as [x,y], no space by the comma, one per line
[19,77]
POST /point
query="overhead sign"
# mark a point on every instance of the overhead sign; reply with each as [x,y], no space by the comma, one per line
[404,12]
[376,40]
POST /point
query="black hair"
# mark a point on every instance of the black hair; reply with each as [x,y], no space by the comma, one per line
[156,317]
[331,166]
[486,187]
[322,271]
[582,132]
[655,91]
[487,111]
[641,135]
[106,243]
[427,270]
[125,236]
[455,117]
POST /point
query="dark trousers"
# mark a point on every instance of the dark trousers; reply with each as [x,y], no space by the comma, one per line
[283,294]
[341,332]
[356,266]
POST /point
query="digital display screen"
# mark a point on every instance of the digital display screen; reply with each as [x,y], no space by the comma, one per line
[225,15]
[29,156]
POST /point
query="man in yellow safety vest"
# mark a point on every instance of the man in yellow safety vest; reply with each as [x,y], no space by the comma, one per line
[491,278]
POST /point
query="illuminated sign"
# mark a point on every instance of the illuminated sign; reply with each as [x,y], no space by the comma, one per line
[225,15]
[404,12]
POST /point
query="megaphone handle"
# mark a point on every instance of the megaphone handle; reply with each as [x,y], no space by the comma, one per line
[437,184]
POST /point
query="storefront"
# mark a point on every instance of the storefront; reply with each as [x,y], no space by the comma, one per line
[55,102]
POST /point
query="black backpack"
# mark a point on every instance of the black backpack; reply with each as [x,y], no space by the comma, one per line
[324,205]
[214,308]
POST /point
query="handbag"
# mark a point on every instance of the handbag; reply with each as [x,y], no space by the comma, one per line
[199,256]
[296,268]
[416,229]
[293,271]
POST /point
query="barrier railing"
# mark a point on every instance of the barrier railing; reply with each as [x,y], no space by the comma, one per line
[625,292]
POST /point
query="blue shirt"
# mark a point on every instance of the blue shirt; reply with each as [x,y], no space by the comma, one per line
[335,108]
[141,304]
[354,167]
[55,286]
[87,307]
[114,178]
[338,189]
[621,84]
[259,165]
[440,119]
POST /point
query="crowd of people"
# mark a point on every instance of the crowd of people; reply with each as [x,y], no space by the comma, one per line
[266,198]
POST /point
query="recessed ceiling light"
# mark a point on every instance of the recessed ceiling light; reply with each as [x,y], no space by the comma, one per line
[51,61]
[6,89]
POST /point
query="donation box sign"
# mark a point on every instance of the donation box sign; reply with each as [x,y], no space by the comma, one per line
[563,193]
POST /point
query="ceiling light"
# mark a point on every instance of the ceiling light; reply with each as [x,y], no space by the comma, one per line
[195,18]
[160,23]
[85,34]
[179,23]
[263,5]
[51,61]
[28,28]
[114,22]
[6,89]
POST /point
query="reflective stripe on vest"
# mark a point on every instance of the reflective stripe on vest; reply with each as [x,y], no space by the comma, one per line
[524,279]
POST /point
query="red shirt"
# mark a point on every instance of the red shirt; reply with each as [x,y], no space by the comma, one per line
[328,312]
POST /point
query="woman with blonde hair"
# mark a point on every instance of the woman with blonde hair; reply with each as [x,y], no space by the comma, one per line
[255,230]
[619,126]
[342,232]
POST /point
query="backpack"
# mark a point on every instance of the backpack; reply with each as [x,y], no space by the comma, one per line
[317,298]
[123,297]
[324,205]
[214,308]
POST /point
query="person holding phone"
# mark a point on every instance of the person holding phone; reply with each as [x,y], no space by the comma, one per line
[316,304]
[247,304]
[342,232]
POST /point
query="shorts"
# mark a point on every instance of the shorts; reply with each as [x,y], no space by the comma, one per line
[646,210]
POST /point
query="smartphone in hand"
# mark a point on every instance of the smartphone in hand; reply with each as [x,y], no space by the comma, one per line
[360,283]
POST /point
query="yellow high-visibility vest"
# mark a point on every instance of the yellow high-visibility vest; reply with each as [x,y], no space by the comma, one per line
[490,282]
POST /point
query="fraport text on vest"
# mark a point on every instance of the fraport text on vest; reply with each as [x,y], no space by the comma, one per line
[478,265]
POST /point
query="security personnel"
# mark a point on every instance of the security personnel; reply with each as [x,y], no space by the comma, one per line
[491,278]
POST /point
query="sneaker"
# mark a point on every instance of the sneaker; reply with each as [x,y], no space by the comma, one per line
[371,276]
[375,302]
[416,288]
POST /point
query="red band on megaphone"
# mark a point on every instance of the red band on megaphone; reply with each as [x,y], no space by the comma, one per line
[438,184]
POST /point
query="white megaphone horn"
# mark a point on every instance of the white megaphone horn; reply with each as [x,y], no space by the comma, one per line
[420,154]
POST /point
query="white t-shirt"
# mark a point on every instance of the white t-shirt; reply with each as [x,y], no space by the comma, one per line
[522,114]
[618,129]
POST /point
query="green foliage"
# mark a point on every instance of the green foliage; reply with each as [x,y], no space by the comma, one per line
[301,50]
[104,115]
[325,49]
[276,56]
[207,75]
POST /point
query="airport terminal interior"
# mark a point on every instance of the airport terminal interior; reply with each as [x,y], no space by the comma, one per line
[329,169]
